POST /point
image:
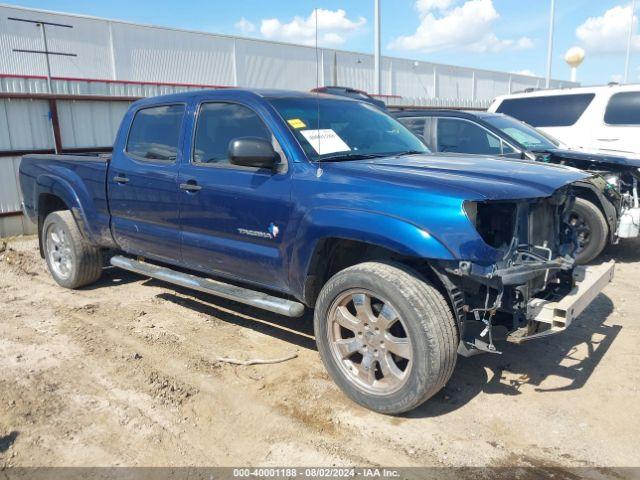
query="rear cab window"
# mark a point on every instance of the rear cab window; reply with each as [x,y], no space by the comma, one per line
[623,109]
[155,133]
[547,111]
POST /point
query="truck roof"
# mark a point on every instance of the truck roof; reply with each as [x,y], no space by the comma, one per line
[214,93]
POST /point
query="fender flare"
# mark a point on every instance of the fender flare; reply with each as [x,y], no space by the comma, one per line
[61,188]
[373,228]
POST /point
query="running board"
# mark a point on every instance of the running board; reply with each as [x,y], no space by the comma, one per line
[213,287]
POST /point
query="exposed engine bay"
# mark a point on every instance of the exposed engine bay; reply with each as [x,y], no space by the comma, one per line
[536,244]
[622,187]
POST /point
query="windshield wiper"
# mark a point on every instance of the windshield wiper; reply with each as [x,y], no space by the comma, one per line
[408,152]
[352,156]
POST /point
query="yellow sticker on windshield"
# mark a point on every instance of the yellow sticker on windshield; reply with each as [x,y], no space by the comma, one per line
[296,123]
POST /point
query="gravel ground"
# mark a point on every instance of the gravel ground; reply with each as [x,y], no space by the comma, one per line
[125,372]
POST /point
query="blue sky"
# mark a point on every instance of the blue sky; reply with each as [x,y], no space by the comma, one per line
[506,35]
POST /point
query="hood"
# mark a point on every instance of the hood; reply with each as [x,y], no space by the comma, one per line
[472,177]
[597,158]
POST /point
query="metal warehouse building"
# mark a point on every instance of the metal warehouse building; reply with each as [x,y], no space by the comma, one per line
[109,63]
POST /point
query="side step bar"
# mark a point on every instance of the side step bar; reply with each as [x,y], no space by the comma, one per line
[213,287]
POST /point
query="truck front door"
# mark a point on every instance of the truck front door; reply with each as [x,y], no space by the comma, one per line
[234,219]
[143,183]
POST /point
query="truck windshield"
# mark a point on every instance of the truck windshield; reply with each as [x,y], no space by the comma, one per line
[521,132]
[336,129]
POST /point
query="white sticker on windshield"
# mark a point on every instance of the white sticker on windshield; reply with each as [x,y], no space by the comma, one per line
[325,141]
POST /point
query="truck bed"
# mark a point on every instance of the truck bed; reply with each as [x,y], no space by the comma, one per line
[80,179]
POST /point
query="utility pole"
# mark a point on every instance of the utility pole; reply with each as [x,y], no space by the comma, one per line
[629,41]
[46,52]
[377,80]
[53,111]
[550,43]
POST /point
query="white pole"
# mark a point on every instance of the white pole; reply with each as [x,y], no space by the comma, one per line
[629,39]
[574,74]
[112,53]
[376,39]
[46,55]
[550,45]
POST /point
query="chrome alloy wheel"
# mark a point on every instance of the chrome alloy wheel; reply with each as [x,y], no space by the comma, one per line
[59,250]
[369,341]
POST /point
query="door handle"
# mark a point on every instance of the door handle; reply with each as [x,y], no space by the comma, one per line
[120,179]
[190,187]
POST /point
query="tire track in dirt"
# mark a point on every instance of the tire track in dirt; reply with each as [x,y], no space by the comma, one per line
[126,372]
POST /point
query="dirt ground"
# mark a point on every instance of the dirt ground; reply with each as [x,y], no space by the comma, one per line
[125,372]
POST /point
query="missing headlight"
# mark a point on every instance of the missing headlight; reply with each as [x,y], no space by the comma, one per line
[496,223]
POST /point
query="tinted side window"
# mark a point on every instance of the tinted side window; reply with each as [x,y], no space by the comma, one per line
[623,109]
[219,124]
[415,124]
[421,127]
[155,133]
[461,136]
[552,111]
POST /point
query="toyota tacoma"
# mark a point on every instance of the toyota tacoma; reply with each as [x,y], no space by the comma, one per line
[287,201]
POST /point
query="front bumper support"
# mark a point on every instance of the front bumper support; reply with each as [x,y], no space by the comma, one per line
[547,318]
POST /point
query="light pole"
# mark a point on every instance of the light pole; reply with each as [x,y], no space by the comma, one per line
[377,78]
[629,41]
[550,45]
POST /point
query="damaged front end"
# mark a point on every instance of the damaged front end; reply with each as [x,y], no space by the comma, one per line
[535,272]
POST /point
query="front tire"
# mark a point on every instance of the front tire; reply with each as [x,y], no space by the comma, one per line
[591,228]
[386,337]
[72,261]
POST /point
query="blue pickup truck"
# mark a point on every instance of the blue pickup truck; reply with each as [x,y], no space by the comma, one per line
[287,200]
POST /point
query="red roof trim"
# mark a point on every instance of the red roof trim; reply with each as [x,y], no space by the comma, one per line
[128,82]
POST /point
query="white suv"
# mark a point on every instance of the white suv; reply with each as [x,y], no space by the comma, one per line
[605,119]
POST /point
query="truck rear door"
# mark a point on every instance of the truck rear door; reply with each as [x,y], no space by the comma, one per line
[143,182]
[234,219]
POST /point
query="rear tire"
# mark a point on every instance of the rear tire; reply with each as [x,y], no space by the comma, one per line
[592,227]
[399,346]
[72,261]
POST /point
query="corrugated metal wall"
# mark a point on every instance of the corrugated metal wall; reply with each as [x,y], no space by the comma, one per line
[10,200]
[89,124]
[25,125]
[9,195]
[17,84]
[126,60]
[114,50]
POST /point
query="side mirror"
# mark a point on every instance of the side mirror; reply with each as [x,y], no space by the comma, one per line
[252,152]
